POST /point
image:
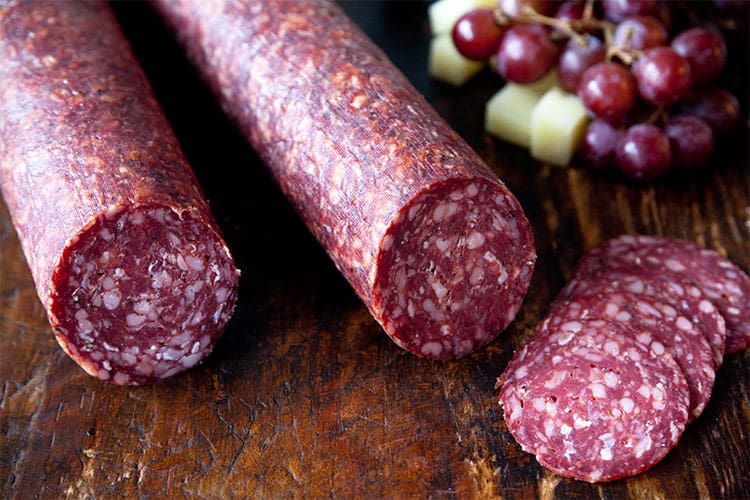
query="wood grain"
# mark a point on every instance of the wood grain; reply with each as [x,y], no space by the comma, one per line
[305,396]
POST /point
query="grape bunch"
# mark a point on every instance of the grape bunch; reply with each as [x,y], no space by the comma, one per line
[649,84]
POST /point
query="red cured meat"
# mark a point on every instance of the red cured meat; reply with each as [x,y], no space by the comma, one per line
[435,245]
[592,403]
[723,281]
[657,325]
[127,259]
[685,297]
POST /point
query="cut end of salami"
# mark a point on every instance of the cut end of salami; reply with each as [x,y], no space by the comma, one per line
[142,293]
[453,268]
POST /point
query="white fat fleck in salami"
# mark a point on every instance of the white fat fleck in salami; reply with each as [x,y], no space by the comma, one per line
[670,289]
[138,331]
[588,408]
[722,281]
[657,325]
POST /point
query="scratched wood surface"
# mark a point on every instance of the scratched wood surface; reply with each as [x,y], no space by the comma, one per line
[305,396]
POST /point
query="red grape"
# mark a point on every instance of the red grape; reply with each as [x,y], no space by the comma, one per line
[704,50]
[643,153]
[640,33]
[662,76]
[598,144]
[569,11]
[526,53]
[476,35]
[577,58]
[618,10]
[717,107]
[691,141]
[607,90]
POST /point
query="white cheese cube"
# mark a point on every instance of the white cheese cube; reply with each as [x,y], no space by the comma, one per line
[544,83]
[508,114]
[446,64]
[557,125]
[443,14]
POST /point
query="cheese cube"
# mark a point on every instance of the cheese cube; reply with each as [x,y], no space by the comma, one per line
[446,64]
[508,113]
[557,125]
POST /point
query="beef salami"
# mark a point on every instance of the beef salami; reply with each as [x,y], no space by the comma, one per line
[592,403]
[723,282]
[657,325]
[684,296]
[434,244]
[127,259]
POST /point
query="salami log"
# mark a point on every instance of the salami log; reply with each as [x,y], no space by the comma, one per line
[434,244]
[127,259]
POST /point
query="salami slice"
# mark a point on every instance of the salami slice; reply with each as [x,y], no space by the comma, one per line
[723,282]
[673,290]
[593,404]
[657,325]
[435,245]
[127,259]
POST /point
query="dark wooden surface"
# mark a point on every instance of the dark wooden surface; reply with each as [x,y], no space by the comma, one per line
[305,396]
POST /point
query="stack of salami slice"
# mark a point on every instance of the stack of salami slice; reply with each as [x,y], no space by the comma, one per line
[626,356]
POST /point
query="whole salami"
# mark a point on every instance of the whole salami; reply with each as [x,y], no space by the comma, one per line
[435,245]
[127,259]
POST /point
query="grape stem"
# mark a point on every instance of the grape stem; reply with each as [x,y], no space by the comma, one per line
[626,56]
[570,28]
[588,10]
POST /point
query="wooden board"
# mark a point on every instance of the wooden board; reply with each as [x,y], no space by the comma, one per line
[305,396]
